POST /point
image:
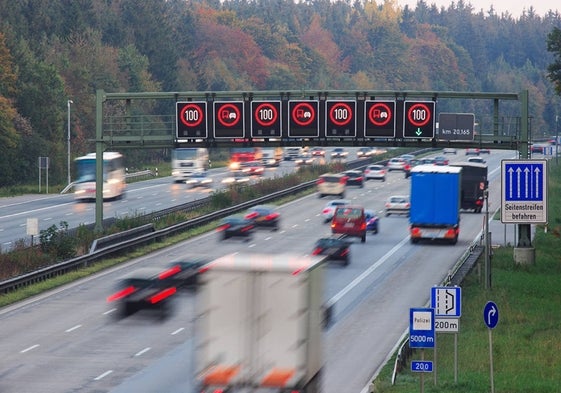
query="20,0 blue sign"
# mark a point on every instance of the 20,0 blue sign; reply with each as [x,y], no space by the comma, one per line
[421,366]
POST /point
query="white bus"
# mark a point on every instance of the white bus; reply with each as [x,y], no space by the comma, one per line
[114,182]
[187,161]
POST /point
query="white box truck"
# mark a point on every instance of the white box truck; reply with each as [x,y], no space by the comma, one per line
[259,324]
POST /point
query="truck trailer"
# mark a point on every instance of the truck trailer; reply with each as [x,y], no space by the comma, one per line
[435,203]
[474,184]
[259,324]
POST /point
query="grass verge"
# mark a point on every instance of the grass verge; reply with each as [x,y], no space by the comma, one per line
[525,345]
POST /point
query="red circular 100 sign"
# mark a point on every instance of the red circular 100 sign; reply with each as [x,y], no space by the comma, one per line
[266,114]
[191,115]
[340,114]
[419,114]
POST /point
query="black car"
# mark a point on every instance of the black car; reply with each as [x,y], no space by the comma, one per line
[235,226]
[265,216]
[334,249]
[354,178]
[144,289]
[183,273]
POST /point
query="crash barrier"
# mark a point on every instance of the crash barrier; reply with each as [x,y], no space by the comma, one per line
[456,276]
[119,244]
[116,238]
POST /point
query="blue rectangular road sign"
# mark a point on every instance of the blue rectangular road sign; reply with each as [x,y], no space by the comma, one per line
[446,301]
[524,191]
[421,366]
[421,328]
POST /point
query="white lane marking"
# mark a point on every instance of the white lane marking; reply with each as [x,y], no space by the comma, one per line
[29,348]
[140,353]
[109,311]
[367,272]
[73,328]
[103,375]
[177,331]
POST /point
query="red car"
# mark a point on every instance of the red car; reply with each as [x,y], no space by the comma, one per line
[349,220]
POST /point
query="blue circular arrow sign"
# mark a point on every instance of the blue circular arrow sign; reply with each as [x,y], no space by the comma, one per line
[491,315]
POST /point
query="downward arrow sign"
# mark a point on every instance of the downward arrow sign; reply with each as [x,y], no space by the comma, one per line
[419,132]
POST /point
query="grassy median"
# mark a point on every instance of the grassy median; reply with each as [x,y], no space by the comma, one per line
[526,346]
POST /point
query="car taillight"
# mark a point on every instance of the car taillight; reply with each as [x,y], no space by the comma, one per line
[317,251]
[345,252]
[247,228]
[158,297]
[223,227]
[407,205]
[363,225]
[325,211]
[271,216]
[415,232]
[344,180]
[320,181]
[169,272]
[251,215]
[121,294]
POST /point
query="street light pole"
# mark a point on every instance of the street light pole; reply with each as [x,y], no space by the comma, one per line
[68,103]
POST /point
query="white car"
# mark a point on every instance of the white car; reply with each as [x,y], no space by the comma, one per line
[329,209]
[449,150]
[477,159]
[397,164]
[375,171]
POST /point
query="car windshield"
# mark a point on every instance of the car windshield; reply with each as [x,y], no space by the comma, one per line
[398,200]
[348,212]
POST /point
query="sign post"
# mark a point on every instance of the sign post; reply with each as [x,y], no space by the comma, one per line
[491,318]
[447,305]
[421,335]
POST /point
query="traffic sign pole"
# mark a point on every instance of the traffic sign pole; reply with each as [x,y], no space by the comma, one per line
[491,318]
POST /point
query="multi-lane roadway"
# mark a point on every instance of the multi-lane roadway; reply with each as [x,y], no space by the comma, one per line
[67,341]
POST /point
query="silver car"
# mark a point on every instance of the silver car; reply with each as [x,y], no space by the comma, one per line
[377,172]
[396,164]
[398,204]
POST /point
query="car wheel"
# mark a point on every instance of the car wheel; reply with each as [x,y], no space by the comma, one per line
[320,195]
[388,214]
[346,262]
[363,238]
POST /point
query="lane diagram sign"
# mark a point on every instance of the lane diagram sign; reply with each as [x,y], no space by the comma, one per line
[524,191]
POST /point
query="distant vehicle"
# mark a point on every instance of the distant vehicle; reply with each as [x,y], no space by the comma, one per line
[440,160]
[199,179]
[410,165]
[396,164]
[114,182]
[538,148]
[398,204]
[187,161]
[349,220]
[143,289]
[331,184]
[184,273]
[435,203]
[334,249]
[474,151]
[329,210]
[377,151]
[241,155]
[407,157]
[318,151]
[449,150]
[235,226]
[375,171]
[354,178]
[484,150]
[339,153]
[304,159]
[473,185]
[266,216]
[272,157]
[252,168]
[372,221]
[291,152]
[477,159]
[364,152]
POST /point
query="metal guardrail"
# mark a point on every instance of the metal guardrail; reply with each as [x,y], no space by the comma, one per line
[123,241]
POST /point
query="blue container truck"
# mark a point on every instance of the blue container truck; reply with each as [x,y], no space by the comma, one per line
[435,203]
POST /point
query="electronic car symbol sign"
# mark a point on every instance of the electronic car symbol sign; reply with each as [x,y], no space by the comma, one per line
[380,119]
[303,119]
[228,119]
[191,119]
[340,118]
[266,119]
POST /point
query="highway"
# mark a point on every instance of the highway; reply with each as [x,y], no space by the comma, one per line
[67,341]
[141,198]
